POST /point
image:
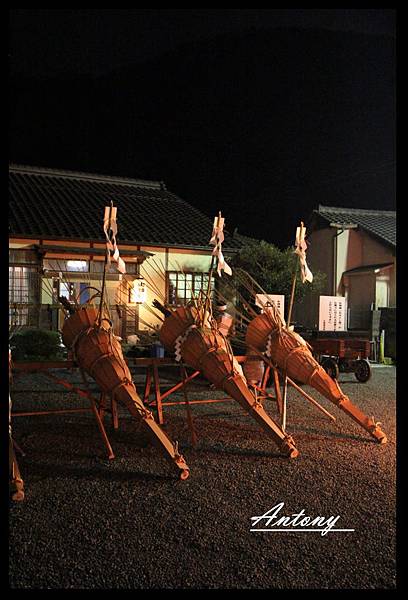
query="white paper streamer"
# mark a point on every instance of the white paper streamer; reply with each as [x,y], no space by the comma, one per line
[217,239]
[268,351]
[180,341]
[305,272]
[110,225]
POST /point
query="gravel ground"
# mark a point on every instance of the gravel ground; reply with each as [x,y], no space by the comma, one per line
[90,523]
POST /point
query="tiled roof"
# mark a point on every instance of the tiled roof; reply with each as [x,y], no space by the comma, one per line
[379,223]
[47,203]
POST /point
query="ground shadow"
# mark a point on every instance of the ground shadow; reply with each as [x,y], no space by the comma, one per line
[38,470]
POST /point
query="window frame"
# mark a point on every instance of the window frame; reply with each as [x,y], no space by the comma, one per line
[186,282]
[24,294]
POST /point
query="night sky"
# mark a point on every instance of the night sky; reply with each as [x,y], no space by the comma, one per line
[260,113]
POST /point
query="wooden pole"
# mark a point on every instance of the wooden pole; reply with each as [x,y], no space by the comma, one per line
[311,399]
[99,318]
[285,381]
[292,297]
[98,417]
[277,390]
[289,318]
[207,302]
[189,415]
[284,401]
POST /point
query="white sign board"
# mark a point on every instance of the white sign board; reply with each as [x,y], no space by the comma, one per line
[277,299]
[332,313]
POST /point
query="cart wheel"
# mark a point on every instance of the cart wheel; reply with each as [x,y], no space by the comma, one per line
[363,370]
[331,367]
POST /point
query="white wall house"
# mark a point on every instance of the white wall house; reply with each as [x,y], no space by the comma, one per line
[57,246]
[356,248]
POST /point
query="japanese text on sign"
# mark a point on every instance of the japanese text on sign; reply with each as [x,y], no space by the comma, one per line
[277,299]
[332,312]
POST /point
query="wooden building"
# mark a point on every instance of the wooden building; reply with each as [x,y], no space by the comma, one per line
[57,246]
[356,248]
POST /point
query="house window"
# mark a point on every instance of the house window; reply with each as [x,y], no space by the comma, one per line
[23,295]
[22,257]
[183,286]
[63,265]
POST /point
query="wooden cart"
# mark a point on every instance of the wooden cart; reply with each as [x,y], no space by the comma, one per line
[343,355]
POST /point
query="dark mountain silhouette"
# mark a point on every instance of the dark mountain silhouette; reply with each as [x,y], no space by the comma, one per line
[263,126]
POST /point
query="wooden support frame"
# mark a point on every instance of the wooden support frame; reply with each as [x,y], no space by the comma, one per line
[185,379]
[288,380]
[159,406]
[94,409]
[152,385]
[82,393]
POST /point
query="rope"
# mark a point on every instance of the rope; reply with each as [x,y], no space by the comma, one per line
[288,439]
[228,347]
[309,379]
[76,340]
[204,354]
[292,351]
[176,450]
[91,368]
[226,377]
[375,424]
[258,401]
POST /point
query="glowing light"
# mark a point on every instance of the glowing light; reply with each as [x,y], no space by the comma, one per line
[77,265]
[138,292]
